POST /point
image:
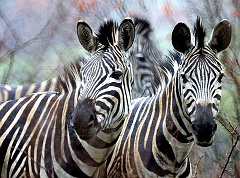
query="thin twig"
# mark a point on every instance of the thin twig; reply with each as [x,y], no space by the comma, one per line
[225,166]
[196,166]
[224,125]
[8,72]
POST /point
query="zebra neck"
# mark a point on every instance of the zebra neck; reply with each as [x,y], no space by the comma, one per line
[175,133]
[94,151]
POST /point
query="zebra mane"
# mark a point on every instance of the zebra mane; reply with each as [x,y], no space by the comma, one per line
[199,34]
[70,78]
[166,68]
[107,32]
[142,27]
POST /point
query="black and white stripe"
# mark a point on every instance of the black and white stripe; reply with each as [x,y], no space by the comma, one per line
[161,130]
[71,134]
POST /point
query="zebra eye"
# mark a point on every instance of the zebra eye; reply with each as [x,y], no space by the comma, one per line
[220,78]
[117,75]
[184,78]
[142,59]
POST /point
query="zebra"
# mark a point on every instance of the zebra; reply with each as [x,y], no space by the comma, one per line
[51,134]
[160,131]
[144,55]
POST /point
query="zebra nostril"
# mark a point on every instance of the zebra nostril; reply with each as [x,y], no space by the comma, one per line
[215,127]
[91,120]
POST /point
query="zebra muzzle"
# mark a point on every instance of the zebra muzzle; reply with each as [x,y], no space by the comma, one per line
[84,119]
[204,125]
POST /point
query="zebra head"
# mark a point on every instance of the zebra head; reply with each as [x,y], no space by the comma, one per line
[201,76]
[105,92]
[144,56]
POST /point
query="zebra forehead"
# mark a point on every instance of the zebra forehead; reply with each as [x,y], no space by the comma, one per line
[204,55]
[203,65]
[101,66]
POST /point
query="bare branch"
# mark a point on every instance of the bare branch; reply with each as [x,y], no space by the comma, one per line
[7,74]
[229,156]
[5,19]
[196,166]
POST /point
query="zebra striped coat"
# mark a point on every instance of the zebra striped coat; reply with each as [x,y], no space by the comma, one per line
[160,130]
[71,134]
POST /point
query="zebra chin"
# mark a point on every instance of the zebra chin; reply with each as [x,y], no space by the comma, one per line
[84,119]
[203,140]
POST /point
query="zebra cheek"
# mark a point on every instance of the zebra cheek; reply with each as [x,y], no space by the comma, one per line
[84,119]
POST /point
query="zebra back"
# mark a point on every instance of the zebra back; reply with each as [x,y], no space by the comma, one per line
[71,134]
[68,77]
[11,92]
[159,132]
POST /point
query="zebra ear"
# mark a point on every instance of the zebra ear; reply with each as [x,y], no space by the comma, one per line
[181,37]
[86,37]
[126,34]
[221,36]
